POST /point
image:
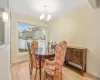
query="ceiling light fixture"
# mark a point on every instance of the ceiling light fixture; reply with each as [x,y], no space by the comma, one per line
[4,14]
[45,17]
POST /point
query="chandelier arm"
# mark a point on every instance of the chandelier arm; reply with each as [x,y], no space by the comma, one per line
[45,11]
[45,17]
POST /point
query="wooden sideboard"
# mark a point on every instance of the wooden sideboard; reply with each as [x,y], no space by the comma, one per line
[76,55]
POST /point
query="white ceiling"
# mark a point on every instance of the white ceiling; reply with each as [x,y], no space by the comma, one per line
[55,7]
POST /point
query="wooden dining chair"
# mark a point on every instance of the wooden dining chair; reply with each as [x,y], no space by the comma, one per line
[54,68]
[50,50]
[34,46]
[33,61]
[54,46]
[51,47]
[30,59]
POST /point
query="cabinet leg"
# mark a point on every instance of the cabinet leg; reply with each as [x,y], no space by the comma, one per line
[64,62]
[67,62]
[82,71]
[85,68]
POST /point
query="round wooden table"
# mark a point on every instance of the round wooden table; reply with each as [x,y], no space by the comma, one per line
[43,56]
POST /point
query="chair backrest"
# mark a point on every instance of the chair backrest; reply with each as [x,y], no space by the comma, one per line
[51,47]
[29,50]
[35,45]
[60,52]
[54,45]
[50,50]
[32,55]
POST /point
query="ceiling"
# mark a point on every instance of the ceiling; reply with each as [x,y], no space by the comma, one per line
[55,7]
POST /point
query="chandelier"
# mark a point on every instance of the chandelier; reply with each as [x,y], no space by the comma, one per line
[45,17]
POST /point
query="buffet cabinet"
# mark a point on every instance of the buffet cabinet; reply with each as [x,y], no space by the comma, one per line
[76,55]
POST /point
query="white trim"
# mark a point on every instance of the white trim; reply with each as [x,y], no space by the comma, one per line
[22,53]
[46,31]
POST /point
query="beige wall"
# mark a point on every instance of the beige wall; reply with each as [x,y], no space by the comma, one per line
[5,73]
[80,27]
[15,57]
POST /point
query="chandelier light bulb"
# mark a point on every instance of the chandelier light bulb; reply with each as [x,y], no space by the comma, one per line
[45,17]
[42,17]
[49,17]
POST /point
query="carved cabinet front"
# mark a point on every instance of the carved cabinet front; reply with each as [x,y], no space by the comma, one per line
[76,55]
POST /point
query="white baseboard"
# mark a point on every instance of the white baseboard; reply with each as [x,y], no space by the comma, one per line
[96,75]
[19,61]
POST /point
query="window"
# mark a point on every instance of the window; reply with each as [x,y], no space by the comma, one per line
[28,33]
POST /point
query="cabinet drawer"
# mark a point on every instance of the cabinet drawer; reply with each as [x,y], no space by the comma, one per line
[77,56]
[69,54]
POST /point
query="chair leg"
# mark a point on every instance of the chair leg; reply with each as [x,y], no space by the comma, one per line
[31,70]
[35,74]
[45,75]
[61,76]
[58,77]
[53,78]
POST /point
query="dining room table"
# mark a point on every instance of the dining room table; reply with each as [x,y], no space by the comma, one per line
[41,56]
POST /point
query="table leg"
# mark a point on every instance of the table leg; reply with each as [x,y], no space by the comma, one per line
[40,67]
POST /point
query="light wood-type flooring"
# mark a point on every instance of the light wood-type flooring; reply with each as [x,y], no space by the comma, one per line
[20,71]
